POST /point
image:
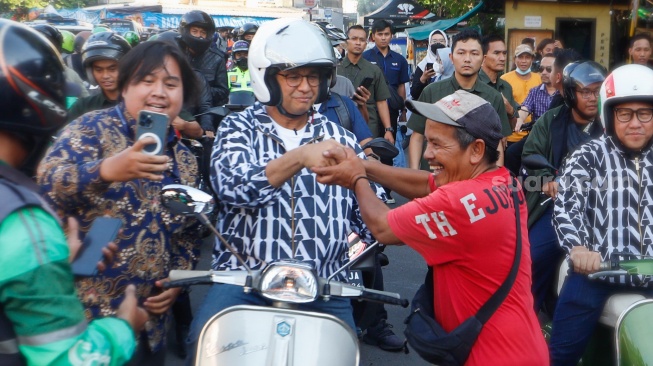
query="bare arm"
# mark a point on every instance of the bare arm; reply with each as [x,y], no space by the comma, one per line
[401,89]
[384,117]
[523,114]
[410,183]
[415,149]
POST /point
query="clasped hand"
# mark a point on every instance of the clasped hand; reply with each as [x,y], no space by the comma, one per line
[347,169]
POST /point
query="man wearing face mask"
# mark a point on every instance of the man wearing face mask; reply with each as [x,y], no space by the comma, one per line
[238,75]
[429,69]
[522,81]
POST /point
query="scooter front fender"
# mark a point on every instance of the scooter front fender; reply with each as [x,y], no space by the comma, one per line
[248,335]
[634,334]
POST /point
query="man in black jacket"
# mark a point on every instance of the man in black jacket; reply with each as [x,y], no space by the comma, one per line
[196,29]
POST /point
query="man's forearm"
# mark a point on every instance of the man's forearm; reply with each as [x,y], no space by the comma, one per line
[415,149]
[374,213]
[279,170]
[409,183]
[384,113]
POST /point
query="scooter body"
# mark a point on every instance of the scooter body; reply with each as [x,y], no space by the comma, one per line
[248,335]
[626,324]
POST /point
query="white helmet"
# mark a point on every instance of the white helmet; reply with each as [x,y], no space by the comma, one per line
[628,83]
[284,44]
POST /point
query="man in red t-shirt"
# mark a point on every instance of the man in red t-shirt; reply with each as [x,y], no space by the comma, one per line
[462,222]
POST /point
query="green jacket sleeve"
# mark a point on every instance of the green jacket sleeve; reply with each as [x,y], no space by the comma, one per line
[38,296]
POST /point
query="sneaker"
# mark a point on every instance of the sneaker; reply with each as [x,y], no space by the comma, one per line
[381,335]
[390,201]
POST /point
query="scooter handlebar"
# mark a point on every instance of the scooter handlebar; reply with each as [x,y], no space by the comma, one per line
[382,297]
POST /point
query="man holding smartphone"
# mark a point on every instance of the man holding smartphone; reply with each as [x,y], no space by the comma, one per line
[41,319]
[355,68]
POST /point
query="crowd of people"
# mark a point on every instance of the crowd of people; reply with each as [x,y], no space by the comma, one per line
[298,147]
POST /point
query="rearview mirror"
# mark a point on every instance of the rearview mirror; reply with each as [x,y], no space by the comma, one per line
[185,200]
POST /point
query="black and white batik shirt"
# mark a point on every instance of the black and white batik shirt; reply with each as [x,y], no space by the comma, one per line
[605,202]
[258,219]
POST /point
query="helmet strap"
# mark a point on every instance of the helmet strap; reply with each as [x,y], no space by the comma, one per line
[291,115]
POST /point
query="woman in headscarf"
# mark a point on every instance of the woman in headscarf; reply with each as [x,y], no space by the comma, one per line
[424,75]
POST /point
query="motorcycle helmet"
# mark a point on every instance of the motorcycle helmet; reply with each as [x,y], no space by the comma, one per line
[100,29]
[51,33]
[200,19]
[275,49]
[80,39]
[247,29]
[580,74]
[335,34]
[68,44]
[132,38]
[103,46]
[169,36]
[234,33]
[240,46]
[32,91]
[629,83]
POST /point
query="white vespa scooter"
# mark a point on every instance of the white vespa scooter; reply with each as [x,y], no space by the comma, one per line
[248,335]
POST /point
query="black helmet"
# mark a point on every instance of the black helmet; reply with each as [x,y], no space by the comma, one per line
[247,28]
[51,33]
[580,74]
[32,87]
[200,19]
[103,46]
[234,33]
[169,36]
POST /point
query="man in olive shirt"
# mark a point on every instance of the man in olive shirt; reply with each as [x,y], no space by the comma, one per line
[355,68]
[467,56]
[494,62]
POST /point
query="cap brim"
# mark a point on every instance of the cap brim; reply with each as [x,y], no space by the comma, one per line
[431,111]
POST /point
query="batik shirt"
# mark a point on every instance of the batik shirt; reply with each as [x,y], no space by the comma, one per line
[152,241]
[301,219]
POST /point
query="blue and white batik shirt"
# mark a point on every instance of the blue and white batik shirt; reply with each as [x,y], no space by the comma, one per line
[264,223]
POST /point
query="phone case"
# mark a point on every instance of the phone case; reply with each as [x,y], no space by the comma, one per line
[103,230]
[152,124]
[367,82]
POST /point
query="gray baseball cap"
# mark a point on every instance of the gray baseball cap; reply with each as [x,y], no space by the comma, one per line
[466,110]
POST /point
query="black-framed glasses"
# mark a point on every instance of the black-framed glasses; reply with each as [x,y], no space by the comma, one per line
[294,80]
[587,93]
[547,68]
[625,115]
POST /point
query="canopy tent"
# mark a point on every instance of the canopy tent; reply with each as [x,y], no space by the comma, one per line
[422,32]
[399,12]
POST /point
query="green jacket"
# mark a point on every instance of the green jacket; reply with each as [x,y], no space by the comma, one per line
[539,142]
[38,297]
[88,104]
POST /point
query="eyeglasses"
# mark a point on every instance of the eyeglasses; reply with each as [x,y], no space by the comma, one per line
[294,80]
[624,115]
[547,68]
[586,93]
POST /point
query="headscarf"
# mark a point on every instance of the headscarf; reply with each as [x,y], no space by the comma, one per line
[430,56]
[447,64]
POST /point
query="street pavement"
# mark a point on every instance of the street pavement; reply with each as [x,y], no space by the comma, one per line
[403,275]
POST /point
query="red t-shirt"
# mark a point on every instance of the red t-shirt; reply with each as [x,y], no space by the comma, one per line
[466,230]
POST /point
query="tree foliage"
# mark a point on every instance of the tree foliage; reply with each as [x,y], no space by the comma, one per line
[20,8]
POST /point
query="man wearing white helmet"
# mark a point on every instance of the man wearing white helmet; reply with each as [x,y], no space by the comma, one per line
[602,208]
[260,171]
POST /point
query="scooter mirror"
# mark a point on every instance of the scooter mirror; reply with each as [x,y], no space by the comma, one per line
[185,200]
[537,161]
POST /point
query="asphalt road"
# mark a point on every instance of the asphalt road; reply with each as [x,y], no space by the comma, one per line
[403,275]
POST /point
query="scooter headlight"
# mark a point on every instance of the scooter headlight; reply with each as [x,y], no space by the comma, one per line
[289,282]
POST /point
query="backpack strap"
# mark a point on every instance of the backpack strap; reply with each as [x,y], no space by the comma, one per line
[343,113]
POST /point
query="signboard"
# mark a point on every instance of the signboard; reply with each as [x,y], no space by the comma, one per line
[328,13]
[530,21]
[310,3]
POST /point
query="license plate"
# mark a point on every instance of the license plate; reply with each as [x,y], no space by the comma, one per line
[355,278]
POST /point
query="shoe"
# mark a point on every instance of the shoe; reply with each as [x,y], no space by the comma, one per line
[390,201]
[381,335]
[359,333]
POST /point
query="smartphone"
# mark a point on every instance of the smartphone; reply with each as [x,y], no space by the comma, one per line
[429,66]
[152,124]
[367,82]
[103,230]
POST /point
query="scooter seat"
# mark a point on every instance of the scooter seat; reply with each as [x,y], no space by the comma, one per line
[616,305]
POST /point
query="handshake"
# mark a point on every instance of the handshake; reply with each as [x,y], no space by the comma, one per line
[333,163]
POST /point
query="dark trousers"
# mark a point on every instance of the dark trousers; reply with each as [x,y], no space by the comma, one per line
[512,159]
[577,314]
[546,256]
[143,356]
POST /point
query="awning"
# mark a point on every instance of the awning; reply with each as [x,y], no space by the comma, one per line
[422,32]
[399,12]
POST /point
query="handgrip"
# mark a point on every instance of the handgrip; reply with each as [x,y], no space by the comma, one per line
[187,282]
[178,274]
[380,296]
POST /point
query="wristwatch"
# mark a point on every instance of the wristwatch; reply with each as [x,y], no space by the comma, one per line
[389,129]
